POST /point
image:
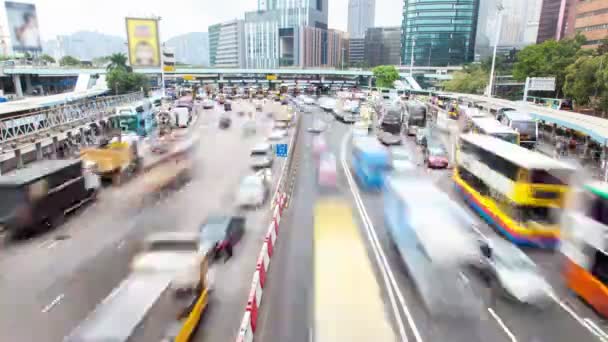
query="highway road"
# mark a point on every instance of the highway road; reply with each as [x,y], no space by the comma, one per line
[285,314]
[50,283]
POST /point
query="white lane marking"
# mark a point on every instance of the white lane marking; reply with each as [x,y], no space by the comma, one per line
[52,244]
[464,277]
[592,327]
[53,303]
[45,243]
[502,325]
[387,273]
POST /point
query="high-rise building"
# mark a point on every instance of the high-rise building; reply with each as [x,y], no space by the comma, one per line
[440,33]
[320,47]
[383,46]
[360,17]
[227,44]
[556,19]
[272,34]
[356,51]
[520,22]
[592,21]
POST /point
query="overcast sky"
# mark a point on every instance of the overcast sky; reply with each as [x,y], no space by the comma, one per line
[178,16]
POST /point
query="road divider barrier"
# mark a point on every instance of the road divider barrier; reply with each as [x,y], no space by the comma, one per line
[279,201]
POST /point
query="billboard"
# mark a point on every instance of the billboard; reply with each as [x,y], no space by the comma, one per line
[23,27]
[144,47]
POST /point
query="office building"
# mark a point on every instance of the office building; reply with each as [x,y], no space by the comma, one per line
[383,46]
[320,47]
[439,33]
[274,35]
[592,21]
[356,51]
[227,44]
[361,15]
[556,19]
[520,23]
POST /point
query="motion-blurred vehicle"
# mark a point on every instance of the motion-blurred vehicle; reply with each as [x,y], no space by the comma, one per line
[252,192]
[370,161]
[249,127]
[219,232]
[402,161]
[277,134]
[39,195]
[388,138]
[328,170]
[436,156]
[261,156]
[352,115]
[319,146]
[115,160]
[227,106]
[221,99]
[309,101]
[208,104]
[225,122]
[361,129]
[180,117]
[318,126]
[258,106]
[422,135]
[516,274]
[327,104]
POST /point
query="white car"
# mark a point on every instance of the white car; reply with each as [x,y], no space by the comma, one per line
[261,156]
[277,134]
[309,101]
[208,104]
[402,161]
[515,273]
[252,192]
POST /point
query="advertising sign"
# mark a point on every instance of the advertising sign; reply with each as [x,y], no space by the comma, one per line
[23,27]
[542,83]
[144,48]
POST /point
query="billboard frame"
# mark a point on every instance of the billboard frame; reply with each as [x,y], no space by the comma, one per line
[158,43]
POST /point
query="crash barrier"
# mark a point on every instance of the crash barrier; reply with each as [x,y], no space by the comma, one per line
[278,205]
[191,321]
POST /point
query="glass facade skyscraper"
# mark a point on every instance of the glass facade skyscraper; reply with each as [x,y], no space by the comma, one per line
[441,32]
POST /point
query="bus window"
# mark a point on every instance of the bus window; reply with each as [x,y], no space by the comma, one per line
[600,267]
[598,210]
[524,127]
[508,137]
[542,215]
[544,177]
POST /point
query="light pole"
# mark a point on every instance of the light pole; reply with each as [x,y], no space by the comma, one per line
[412,57]
[499,7]
[343,49]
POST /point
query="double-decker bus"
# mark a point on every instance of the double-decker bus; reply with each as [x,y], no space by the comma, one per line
[492,127]
[585,226]
[519,192]
[414,209]
[370,161]
[524,124]
[347,304]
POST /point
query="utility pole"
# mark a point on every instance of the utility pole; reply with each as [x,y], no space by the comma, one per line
[500,8]
[412,57]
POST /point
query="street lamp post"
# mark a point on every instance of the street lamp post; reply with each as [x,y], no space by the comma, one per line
[499,7]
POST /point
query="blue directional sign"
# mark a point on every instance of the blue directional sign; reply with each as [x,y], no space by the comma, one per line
[281,150]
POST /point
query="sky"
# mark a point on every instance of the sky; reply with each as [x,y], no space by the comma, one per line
[58,17]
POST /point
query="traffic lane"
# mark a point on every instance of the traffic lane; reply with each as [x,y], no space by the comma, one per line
[422,324]
[233,277]
[286,303]
[65,282]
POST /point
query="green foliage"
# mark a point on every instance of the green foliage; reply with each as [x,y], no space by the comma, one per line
[472,80]
[550,58]
[47,58]
[69,61]
[121,81]
[602,49]
[587,82]
[385,75]
[117,61]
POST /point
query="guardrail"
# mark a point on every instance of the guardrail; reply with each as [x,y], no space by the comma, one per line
[280,201]
[24,126]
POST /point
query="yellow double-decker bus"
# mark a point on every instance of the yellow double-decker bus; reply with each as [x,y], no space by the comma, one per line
[519,192]
[347,304]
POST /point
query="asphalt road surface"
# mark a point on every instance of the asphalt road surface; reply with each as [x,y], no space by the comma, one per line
[50,283]
[285,313]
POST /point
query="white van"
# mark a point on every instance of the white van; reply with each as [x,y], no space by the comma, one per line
[181,117]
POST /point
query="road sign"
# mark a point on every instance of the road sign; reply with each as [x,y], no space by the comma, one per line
[542,83]
[281,150]
[189,77]
[169,68]
[271,77]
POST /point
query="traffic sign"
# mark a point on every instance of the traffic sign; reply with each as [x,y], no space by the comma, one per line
[281,150]
[542,83]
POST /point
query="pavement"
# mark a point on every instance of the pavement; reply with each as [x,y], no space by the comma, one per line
[53,281]
[285,315]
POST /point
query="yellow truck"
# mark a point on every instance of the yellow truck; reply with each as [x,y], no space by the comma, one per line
[114,160]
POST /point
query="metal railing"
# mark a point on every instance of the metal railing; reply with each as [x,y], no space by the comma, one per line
[30,125]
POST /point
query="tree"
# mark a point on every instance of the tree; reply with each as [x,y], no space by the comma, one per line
[117,60]
[68,61]
[473,79]
[586,82]
[603,47]
[385,75]
[549,58]
[47,59]
[123,81]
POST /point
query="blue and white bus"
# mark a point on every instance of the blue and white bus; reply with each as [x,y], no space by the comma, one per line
[137,118]
[370,161]
[435,240]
